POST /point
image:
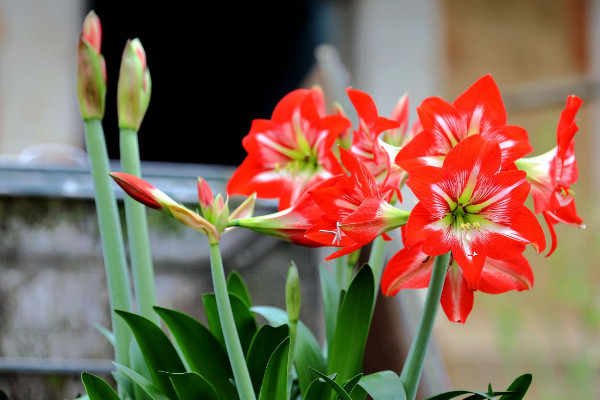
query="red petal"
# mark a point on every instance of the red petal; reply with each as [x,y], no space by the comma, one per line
[364,105]
[407,269]
[566,125]
[426,148]
[470,257]
[499,276]
[473,155]
[513,141]
[417,231]
[443,120]
[285,108]
[457,299]
[483,93]
[435,188]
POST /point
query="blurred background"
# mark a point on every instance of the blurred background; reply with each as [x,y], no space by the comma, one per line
[215,68]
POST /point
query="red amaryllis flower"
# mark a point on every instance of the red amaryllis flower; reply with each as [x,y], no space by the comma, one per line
[410,268]
[291,151]
[553,173]
[354,210]
[377,155]
[479,110]
[472,208]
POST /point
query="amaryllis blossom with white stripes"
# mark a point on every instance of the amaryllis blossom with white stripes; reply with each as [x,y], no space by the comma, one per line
[479,110]
[553,173]
[291,151]
[469,206]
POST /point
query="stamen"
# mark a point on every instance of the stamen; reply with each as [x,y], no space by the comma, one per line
[337,234]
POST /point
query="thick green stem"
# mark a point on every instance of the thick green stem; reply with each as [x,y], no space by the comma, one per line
[413,367]
[241,375]
[111,235]
[137,231]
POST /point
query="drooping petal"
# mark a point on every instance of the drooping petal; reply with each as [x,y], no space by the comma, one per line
[457,299]
[499,276]
[409,268]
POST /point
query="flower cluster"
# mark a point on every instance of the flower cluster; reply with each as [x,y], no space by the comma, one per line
[466,166]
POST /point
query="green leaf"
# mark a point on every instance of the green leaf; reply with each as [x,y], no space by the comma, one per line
[519,385]
[275,382]
[263,345]
[97,388]
[124,383]
[330,380]
[383,385]
[154,392]
[455,393]
[236,285]
[245,321]
[330,291]
[190,385]
[138,364]
[157,349]
[351,384]
[354,320]
[307,352]
[316,390]
[201,350]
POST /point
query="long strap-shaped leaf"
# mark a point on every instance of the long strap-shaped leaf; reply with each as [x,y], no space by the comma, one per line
[354,319]
[201,350]
[274,384]
[97,388]
[158,351]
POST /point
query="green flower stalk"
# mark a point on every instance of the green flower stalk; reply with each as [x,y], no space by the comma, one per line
[213,223]
[91,89]
[413,367]
[133,96]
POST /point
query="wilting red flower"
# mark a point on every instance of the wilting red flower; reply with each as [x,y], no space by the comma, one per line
[354,210]
[472,208]
[291,151]
[479,110]
[410,268]
[553,173]
[377,155]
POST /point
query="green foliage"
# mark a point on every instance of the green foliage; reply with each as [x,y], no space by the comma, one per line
[97,388]
[383,385]
[274,384]
[192,361]
[516,391]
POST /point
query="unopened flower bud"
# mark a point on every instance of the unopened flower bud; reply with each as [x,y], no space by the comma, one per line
[134,86]
[292,293]
[91,69]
